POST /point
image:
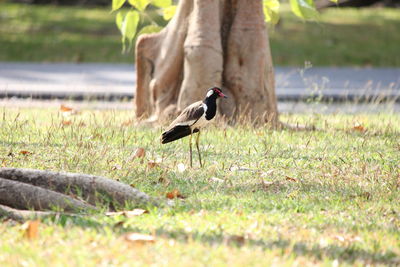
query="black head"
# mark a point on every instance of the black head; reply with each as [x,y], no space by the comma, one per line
[215,92]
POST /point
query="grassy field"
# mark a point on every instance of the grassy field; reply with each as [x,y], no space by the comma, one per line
[341,37]
[326,197]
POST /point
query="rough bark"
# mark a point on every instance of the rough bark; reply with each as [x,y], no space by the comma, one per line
[27,193]
[207,43]
[25,196]
[23,215]
[89,188]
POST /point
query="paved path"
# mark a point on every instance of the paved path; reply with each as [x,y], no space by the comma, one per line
[116,81]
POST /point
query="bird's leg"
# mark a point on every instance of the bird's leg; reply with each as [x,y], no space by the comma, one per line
[190,150]
[198,149]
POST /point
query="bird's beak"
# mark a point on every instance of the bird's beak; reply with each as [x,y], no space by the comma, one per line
[222,95]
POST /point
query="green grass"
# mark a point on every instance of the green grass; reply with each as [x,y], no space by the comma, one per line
[343,207]
[342,37]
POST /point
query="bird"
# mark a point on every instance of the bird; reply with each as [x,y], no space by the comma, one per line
[192,119]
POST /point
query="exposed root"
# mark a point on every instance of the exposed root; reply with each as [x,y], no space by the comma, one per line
[40,190]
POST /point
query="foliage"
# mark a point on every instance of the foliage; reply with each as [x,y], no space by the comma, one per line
[304,9]
[327,197]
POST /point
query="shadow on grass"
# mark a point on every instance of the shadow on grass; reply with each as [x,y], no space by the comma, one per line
[347,253]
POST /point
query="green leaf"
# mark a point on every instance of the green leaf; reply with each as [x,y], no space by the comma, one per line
[271,11]
[116,4]
[161,3]
[169,12]
[139,4]
[119,18]
[150,29]
[129,25]
[304,9]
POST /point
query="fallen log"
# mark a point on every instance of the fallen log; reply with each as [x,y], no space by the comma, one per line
[91,189]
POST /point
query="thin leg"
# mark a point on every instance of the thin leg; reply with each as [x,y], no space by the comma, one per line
[190,150]
[198,148]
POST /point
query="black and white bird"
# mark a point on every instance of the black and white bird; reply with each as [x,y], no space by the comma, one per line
[192,119]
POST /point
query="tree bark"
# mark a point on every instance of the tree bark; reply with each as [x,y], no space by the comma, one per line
[208,43]
[90,188]
[24,192]
[25,196]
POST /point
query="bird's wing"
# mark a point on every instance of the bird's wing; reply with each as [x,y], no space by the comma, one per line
[189,115]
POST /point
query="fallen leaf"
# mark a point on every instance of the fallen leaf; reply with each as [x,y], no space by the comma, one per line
[181,167]
[139,153]
[64,108]
[66,123]
[25,152]
[358,127]
[139,239]
[174,194]
[291,179]
[32,229]
[128,213]
[152,164]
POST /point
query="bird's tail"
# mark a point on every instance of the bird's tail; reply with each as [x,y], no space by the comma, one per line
[175,133]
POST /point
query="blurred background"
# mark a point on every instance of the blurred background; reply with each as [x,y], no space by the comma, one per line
[361,33]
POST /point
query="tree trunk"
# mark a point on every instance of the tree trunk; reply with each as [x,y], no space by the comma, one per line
[208,43]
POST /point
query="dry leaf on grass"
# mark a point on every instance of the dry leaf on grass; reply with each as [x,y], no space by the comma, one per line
[139,239]
[128,213]
[31,229]
[65,108]
[291,179]
[174,194]
[67,111]
[66,123]
[152,164]
[139,153]
[358,127]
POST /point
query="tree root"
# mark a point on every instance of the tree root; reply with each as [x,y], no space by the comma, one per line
[39,190]
[23,215]
[25,196]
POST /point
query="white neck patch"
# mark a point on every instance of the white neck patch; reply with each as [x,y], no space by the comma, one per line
[210,92]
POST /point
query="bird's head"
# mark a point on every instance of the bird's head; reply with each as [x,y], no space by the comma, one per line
[215,92]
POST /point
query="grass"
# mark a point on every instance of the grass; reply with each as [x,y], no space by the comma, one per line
[342,37]
[325,197]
